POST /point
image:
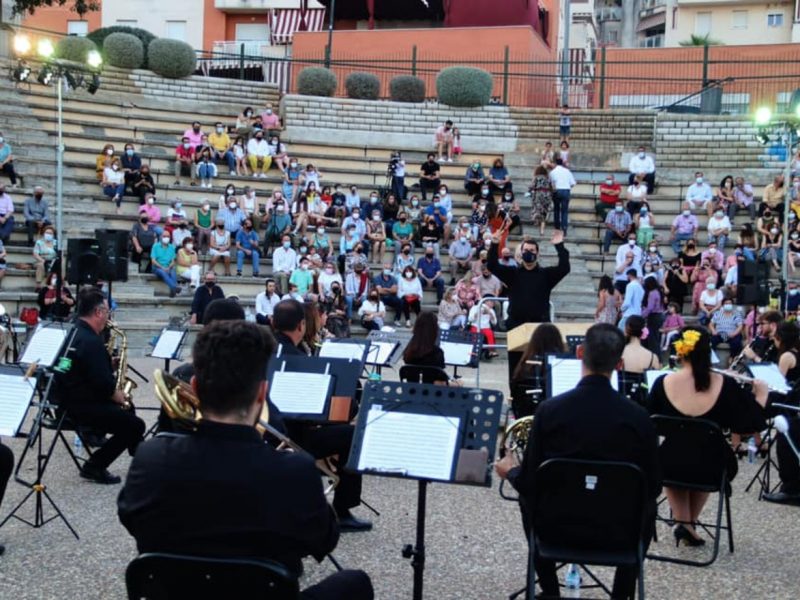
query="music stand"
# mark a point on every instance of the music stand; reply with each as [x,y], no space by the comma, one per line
[573,341]
[461,348]
[169,345]
[401,338]
[427,433]
[564,374]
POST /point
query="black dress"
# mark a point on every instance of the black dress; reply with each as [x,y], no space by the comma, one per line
[735,409]
[433,358]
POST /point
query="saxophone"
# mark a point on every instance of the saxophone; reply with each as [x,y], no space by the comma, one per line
[117,345]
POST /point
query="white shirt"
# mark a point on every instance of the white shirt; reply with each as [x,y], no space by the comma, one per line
[715,225]
[641,165]
[112,176]
[283,260]
[637,192]
[266,306]
[326,280]
[368,307]
[637,255]
[409,287]
[699,192]
[486,319]
[732,278]
[561,178]
[710,298]
[256,148]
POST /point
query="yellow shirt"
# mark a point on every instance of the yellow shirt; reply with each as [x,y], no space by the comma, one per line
[100,164]
[772,197]
[219,141]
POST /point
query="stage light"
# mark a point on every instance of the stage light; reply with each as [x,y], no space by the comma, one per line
[22,44]
[94,84]
[22,71]
[45,75]
[45,48]
[762,137]
[763,115]
[93,59]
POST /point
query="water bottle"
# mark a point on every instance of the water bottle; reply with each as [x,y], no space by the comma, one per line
[249,315]
[751,450]
[573,578]
[77,445]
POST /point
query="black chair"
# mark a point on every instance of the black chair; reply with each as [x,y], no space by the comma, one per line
[172,576]
[633,386]
[705,441]
[526,395]
[58,420]
[423,374]
[589,513]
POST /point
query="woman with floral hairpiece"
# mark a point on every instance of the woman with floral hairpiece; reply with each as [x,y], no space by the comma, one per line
[694,391]
[636,358]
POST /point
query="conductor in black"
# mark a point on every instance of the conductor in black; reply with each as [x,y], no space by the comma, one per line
[221,491]
[86,388]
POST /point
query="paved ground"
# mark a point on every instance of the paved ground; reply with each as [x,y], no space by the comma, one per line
[475,547]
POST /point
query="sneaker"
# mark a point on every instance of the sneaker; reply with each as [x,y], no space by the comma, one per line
[256,275]
[263,176]
[408,323]
[439,159]
[232,173]
[449,160]
[238,273]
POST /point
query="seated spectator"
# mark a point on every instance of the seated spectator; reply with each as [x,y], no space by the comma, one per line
[239,150]
[195,134]
[162,257]
[203,296]
[327,278]
[429,178]
[177,218]
[376,236]
[372,312]
[443,142]
[220,247]
[356,221]
[315,259]
[607,310]
[636,358]
[467,292]
[415,212]
[142,183]
[6,214]
[644,223]
[643,165]
[36,212]
[44,253]
[507,259]
[723,197]
[772,247]
[726,326]
[278,152]
[266,302]
[632,302]
[499,180]
[291,179]
[188,263]
[220,143]
[653,258]
[747,240]
[430,273]
[699,276]
[293,294]
[767,221]
[270,120]
[337,209]
[303,277]
[232,215]
[227,196]
[373,203]
[482,259]
[299,211]
[636,195]
[794,250]
[206,169]
[742,199]
[673,323]
[391,210]
[479,221]
[451,315]
[548,158]
[409,289]
[284,261]
[352,201]
[142,237]
[114,183]
[541,194]
[308,176]
[103,160]
[244,122]
[474,179]
[202,225]
[258,154]
[508,210]
[461,254]
[719,228]
[356,286]
[317,208]
[386,284]
[457,147]
[185,162]
[153,213]
[279,224]
[621,272]
[699,194]
[397,171]
[710,300]
[773,197]
[131,165]
[482,321]
[714,257]
[7,161]
[321,240]
[488,284]
[431,233]
[404,259]
[610,192]
[402,232]
[631,246]
[684,227]
[247,246]
[618,225]
[55,301]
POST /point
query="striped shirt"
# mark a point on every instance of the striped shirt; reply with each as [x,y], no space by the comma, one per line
[726,321]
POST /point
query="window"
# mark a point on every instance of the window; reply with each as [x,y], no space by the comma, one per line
[702,24]
[739,19]
[79,28]
[127,22]
[611,36]
[176,30]
[775,20]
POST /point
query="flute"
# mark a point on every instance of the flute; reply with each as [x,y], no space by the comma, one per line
[745,379]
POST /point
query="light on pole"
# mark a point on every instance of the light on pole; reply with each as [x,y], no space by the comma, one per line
[329,47]
[565,10]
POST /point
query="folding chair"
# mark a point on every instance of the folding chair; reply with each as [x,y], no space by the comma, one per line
[58,420]
[171,576]
[589,513]
[704,440]
[423,374]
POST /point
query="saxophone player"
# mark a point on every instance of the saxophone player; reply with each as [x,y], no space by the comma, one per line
[86,389]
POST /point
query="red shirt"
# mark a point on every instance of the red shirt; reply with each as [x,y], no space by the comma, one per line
[182,152]
[607,198]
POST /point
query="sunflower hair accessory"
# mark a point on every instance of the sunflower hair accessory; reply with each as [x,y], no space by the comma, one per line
[685,345]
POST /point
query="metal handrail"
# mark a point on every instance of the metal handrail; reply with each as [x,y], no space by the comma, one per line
[714,83]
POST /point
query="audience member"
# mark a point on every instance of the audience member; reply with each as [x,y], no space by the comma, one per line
[644,221]
[247,246]
[385,283]
[541,194]
[653,313]
[357,287]
[203,296]
[142,183]
[409,289]
[742,199]
[499,179]
[143,237]
[461,254]
[291,179]
[44,253]
[184,161]
[430,273]
[429,176]
[266,302]
[131,165]
[548,156]
[699,194]
[710,300]
[563,152]
[632,302]
[103,160]
[715,258]
[162,257]
[610,194]
[723,196]
[187,263]
[772,247]
[642,164]
[36,212]
[773,197]
[451,315]
[562,181]
[372,312]
[684,227]
[676,282]
[6,214]
[404,259]
[202,225]
[719,228]
[726,326]
[7,160]
[443,142]
[55,301]
[113,183]
[220,247]
[607,310]
[206,169]
[474,179]
[481,319]
[327,278]
[221,144]
[376,236]
[636,194]
[618,225]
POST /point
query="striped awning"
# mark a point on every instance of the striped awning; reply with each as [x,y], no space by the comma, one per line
[284,22]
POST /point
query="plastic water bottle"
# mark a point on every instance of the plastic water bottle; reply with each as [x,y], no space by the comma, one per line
[77,445]
[751,450]
[573,580]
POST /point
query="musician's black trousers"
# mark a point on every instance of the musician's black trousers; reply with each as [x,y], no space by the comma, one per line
[788,465]
[342,585]
[6,467]
[328,440]
[126,430]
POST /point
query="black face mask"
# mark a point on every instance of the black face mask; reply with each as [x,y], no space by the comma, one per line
[144,221]
[335,290]
[38,196]
[529,256]
[406,251]
[429,255]
[373,298]
[196,129]
[220,227]
[210,284]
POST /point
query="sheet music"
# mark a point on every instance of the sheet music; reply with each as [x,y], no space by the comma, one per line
[379,352]
[298,392]
[652,376]
[565,373]
[15,397]
[168,343]
[456,354]
[44,346]
[714,357]
[331,349]
[772,376]
[410,444]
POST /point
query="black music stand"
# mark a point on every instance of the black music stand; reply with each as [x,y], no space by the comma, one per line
[169,345]
[573,341]
[471,339]
[456,428]
[564,373]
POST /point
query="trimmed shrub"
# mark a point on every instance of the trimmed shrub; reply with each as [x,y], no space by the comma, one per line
[464,86]
[98,36]
[123,50]
[316,81]
[362,86]
[74,48]
[407,88]
[171,58]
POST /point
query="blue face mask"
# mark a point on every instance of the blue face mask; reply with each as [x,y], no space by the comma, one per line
[129,152]
[287,245]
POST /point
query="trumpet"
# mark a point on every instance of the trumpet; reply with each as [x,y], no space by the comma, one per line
[183,406]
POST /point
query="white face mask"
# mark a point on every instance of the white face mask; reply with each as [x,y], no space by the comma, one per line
[712,251]
[189,247]
[151,201]
[220,130]
[165,240]
[699,180]
[718,214]
[321,230]
[232,205]
[631,243]
[376,218]
[641,155]
[686,213]
[206,207]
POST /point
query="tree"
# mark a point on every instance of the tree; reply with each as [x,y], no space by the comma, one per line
[81,7]
[700,40]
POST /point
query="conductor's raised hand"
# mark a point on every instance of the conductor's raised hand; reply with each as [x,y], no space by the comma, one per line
[558,237]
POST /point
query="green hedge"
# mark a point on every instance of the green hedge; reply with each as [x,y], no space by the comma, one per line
[464,86]
[98,36]
[74,48]
[362,86]
[316,81]
[171,58]
[123,50]
[407,88]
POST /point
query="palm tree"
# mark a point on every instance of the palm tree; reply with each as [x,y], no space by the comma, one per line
[700,40]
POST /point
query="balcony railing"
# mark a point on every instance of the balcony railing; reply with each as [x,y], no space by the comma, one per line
[608,13]
[652,7]
[653,41]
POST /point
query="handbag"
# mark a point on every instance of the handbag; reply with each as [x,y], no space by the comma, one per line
[29,316]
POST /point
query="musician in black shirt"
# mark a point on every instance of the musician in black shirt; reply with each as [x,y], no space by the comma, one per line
[221,491]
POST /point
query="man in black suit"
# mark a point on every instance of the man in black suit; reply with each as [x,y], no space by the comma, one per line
[591,422]
[335,439]
[87,390]
[221,491]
